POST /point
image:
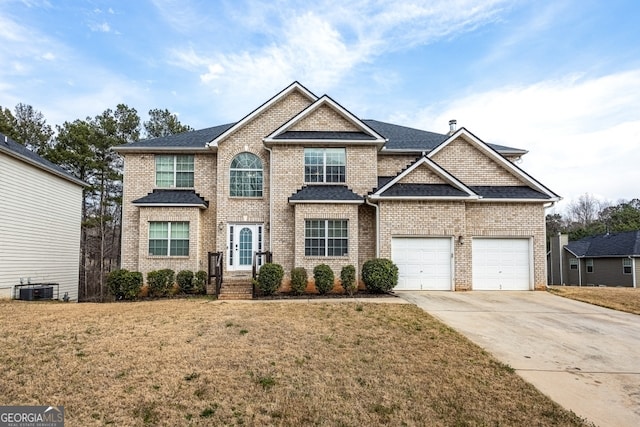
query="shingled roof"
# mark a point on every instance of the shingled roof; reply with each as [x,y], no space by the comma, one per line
[325,194]
[607,245]
[196,139]
[172,197]
[19,151]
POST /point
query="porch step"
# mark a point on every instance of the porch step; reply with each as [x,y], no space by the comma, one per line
[236,288]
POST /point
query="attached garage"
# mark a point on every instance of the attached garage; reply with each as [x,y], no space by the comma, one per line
[424,263]
[501,264]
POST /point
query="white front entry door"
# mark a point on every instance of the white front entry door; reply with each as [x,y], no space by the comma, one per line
[242,241]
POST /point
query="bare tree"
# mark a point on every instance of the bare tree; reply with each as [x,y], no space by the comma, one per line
[585,210]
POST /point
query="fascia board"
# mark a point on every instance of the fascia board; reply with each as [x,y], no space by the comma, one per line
[44,168]
[340,202]
[170,205]
[263,107]
[163,149]
[482,146]
[311,108]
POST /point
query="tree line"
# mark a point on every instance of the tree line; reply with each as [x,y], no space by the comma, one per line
[588,216]
[84,148]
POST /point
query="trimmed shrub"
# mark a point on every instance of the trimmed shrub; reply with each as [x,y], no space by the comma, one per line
[348,278]
[269,278]
[161,281]
[298,280]
[200,282]
[185,280]
[323,276]
[124,284]
[379,275]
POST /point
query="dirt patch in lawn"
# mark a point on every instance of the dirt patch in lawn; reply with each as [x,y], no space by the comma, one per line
[622,299]
[203,362]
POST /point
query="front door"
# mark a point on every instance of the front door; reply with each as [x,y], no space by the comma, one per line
[243,241]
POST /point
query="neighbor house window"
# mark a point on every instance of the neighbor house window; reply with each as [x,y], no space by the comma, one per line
[626,266]
[246,176]
[324,165]
[573,263]
[169,238]
[174,171]
[590,265]
[326,237]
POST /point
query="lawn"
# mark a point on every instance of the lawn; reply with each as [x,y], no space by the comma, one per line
[205,362]
[622,299]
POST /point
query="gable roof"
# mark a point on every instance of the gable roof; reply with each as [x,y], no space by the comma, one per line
[365,133]
[295,86]
[325,194]
[403,139]
[20,152]
[622,244]
[493,154]
[453,188]
[172,197]
[187,141]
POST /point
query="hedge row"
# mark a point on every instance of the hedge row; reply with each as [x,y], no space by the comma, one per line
[379,275]
[127,285]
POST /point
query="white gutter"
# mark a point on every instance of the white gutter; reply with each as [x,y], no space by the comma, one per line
[633,271]
[270,193]
[377,208]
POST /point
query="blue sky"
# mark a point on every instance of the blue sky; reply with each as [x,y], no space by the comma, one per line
[559,78]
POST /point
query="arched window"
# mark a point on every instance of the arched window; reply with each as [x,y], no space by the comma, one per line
[246,176]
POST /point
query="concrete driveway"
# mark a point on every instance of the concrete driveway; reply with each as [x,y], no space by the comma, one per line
[584,357]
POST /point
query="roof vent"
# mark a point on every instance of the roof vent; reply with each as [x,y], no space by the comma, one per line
[453,124]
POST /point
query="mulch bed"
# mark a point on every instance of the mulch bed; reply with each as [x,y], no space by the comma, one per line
[356,295]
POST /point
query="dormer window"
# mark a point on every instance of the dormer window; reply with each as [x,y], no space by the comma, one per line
[324,165]
[174,171]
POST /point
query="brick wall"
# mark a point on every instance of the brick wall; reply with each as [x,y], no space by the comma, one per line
[422,175]
[391,165]
[324,118]
[471,166]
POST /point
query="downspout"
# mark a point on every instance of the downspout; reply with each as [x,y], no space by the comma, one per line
[376,207]
[579,272]
[270,193]
[633,271]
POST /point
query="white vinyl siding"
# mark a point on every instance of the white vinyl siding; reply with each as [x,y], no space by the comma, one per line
[40,216]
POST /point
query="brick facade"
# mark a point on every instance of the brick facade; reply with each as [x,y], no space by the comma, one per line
[284,223]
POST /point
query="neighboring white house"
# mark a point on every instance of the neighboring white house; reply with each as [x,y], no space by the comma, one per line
[40,219]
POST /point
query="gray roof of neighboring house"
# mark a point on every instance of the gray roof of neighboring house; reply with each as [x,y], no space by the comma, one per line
[348,136]
[423,190]
[399,138]
[191,139]
[164,197]
[16,150]
[325,193]
[607,245]
[507,192]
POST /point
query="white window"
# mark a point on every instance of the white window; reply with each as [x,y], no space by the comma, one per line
[626,266]
[573,263]
[245,178]
[174,171]
[324,165]
[590,265]
[169,238]
[326,237]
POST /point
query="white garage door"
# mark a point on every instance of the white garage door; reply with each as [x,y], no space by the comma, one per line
[501,264]
[423,263]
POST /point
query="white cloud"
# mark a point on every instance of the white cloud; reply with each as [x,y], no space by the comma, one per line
[322,43]
[581,133]
[103,27]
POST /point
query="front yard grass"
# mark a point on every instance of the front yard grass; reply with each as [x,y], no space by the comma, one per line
[622,299]
[203,362]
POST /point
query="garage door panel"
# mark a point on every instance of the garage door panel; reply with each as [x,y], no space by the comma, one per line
[501,264]
[423,263]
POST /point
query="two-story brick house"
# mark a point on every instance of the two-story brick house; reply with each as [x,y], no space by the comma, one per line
[305,179]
